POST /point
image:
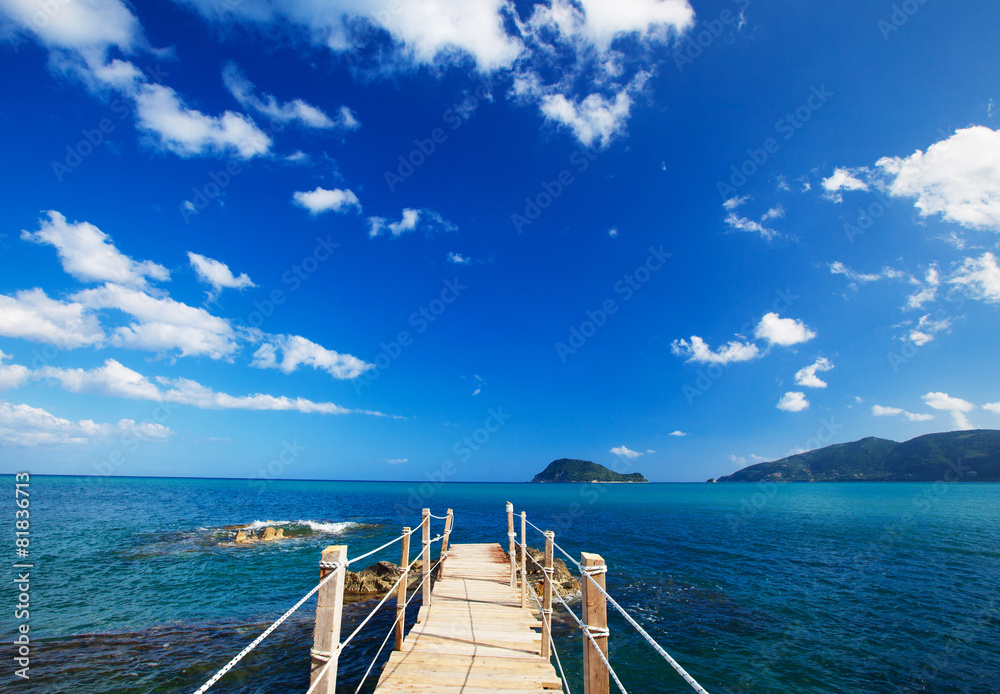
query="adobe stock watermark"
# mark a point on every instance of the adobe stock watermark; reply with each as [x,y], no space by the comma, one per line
[786,126]
[706,377]
[898,358]
[454,117]
[750,506]
[293,279]
[92,138]
[597,318]
[589,495]
[900,15]
[420,320]
[275,468]
[463,449]
[691,46]
[551,190]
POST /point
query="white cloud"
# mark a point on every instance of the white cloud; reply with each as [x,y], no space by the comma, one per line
[928,288]
[459,259]
[397,461]
[573,45]
[429,220]
[744,224]
[217,275]
[625,452]
[979,277]
[782,331]
[594,120]
[613,232]
[807,377]
[88,254]
[793,401]
[992,407]
[699,352]
[163,323]
[735,202]
[679,433]
[838,268]
[12,375]
[79,34]
[188,132]
[926,328]
[114,379]
[292,111]
[958,178]
[880,411]
[32,315]
[24,425]
[738,459]
[776,212]
[842,179]
[323,200]
[296,351]
[956,406]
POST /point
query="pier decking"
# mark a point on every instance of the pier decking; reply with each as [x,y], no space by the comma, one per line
[474,637]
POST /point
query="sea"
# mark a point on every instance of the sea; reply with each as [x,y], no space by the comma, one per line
[136,585]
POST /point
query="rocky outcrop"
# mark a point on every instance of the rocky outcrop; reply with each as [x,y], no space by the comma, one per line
[241,537]
[378,579]
[566,584]
[268,534]
[245,535]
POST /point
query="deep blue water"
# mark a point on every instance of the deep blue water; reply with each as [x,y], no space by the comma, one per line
[860,587]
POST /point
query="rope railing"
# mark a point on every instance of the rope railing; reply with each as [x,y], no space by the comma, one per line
[538,601]
[587,573]
[337,569]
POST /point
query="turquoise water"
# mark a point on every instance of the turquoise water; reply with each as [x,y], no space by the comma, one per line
[860,587]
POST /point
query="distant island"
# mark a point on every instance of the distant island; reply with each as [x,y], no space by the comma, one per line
[570,470]
[969,456]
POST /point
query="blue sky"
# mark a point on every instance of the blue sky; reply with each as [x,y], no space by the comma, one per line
[372,240]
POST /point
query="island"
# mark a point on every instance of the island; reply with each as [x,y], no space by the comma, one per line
[967,456]
[571,470]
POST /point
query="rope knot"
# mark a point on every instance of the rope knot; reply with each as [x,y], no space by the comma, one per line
[595,570]
[332,564]
[322,656]
[596,632]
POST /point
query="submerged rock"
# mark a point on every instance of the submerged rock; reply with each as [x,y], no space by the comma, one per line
[565,583]
[378,579]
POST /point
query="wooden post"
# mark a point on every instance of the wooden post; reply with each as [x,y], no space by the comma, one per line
[524,565]
[547,595]
[595,616]
[404,564]
[444,542]
[510,544]
[329,613]
[426,557]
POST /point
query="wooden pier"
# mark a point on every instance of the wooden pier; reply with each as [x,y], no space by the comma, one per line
[475,636]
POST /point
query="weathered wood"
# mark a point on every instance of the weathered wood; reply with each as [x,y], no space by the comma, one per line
[404,564]
[595,616]
[426,568]
[329,614]
[449,520]
[547,595]
[510,545]
[524,566]
[475,638]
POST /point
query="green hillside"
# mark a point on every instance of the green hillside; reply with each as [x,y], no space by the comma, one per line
[570,470]
[969,455]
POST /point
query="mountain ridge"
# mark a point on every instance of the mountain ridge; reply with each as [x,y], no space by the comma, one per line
[967,455]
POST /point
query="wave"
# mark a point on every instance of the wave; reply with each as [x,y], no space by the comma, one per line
[332,528]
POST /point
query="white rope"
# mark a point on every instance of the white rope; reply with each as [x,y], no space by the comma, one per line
[438,517]
[652,642]
[392,628]
[387,544]
[343,644]
[555,652]
[267,632]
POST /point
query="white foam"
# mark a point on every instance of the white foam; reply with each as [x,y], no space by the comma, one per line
[320,527]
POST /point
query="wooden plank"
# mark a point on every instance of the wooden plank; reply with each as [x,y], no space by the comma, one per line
[474,637]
